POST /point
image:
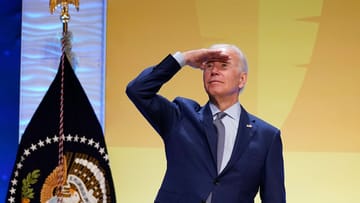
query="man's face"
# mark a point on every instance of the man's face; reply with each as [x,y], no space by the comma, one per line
[224,79]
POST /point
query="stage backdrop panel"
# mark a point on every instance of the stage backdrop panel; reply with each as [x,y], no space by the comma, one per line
[41,51]
[304,78]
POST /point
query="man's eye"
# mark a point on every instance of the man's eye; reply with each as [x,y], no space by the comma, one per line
[224,65]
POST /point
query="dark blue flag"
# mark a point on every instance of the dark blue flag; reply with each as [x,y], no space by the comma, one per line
[86,175]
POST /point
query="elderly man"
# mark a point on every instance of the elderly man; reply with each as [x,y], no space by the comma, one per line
[217,152]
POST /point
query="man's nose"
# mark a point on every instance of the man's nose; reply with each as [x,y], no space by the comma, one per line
[215,69]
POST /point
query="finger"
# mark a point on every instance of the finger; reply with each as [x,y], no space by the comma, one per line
[217,56]
[203,65]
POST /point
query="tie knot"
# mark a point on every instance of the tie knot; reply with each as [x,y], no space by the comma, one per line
[220,115]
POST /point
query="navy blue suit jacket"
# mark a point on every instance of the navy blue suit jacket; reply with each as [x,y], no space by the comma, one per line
[190,145]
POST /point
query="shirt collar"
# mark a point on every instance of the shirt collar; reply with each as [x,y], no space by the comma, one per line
[233,111]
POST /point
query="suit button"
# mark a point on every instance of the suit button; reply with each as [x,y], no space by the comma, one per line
[216,182]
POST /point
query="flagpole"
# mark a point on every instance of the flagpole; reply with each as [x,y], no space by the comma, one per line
[66,46]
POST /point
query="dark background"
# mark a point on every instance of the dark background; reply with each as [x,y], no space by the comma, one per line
[10,46]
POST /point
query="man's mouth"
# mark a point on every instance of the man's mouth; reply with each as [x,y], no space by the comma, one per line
[215,81]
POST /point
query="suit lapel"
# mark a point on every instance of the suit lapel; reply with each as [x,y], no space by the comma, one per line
[245,131]
[210,132]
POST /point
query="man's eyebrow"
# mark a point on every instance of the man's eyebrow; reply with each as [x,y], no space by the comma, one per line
[214,60]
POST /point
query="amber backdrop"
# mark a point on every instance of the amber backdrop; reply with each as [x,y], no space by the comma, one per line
[304,78]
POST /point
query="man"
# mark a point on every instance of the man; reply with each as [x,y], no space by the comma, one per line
[201,166]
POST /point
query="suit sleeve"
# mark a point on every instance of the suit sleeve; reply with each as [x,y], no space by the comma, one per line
[142,91]
[272,189]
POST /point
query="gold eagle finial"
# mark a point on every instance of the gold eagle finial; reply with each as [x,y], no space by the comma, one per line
[54,3]
[65,16]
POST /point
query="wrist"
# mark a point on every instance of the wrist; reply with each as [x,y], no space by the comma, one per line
[180,58]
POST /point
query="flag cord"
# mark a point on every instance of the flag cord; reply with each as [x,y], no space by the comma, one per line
[61,123]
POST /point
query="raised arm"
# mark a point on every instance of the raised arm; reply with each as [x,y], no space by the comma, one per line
[142,91]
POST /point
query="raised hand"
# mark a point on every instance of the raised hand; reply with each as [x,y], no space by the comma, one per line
[197,58]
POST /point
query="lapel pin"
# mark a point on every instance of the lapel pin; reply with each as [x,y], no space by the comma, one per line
[249,126]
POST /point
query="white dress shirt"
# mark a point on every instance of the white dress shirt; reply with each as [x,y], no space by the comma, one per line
[231,123]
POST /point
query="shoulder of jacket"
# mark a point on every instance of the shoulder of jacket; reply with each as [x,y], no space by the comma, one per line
[187,103]
[261,123]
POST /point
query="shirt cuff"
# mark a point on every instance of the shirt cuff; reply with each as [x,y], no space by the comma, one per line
[179,57]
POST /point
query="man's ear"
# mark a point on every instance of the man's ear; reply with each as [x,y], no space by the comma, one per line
[242,79]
